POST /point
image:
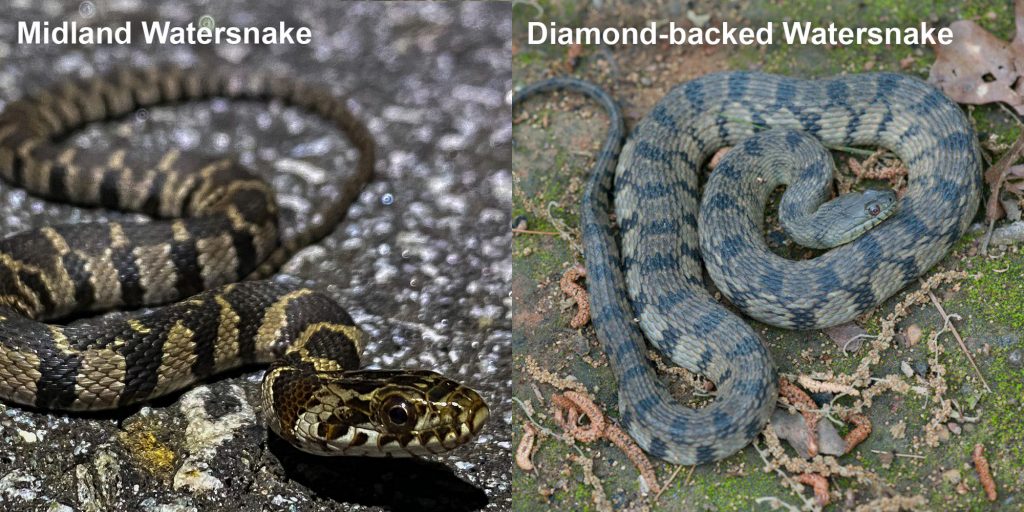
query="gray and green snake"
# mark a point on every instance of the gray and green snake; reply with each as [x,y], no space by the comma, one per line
[215,223]
[645,277]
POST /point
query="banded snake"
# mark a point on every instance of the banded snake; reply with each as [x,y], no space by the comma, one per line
[645,277]
[215,223]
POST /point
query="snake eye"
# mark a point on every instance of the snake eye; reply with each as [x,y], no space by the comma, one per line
[398,413]
[874,209]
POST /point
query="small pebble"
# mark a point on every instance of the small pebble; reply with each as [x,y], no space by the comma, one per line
[954,427]
[952,476]
[943,433]
[914,334]
[1016,358]
[28,437]
[907,370]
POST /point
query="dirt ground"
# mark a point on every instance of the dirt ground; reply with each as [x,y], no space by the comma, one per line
[918,453]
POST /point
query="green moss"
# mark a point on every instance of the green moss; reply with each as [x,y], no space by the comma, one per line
[1001,426]
[996,296]
[708,486]
[993,120]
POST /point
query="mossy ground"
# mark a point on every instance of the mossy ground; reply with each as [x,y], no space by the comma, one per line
[555,138]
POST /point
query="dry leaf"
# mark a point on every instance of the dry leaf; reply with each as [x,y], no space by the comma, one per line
[793,429]
[846,336]
[977,68]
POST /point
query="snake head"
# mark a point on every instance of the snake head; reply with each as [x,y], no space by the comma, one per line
[879,203]
[847,217]
[385,413]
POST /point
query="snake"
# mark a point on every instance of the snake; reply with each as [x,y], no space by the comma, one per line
[648,230]
[188,289]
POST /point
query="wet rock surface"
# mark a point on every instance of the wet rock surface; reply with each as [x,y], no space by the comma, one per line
[422,260]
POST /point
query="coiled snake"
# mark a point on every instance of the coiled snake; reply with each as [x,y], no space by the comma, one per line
[646,280]
[216,224]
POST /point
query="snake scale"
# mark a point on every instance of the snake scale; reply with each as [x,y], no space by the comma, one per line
[214,224]
[645,279]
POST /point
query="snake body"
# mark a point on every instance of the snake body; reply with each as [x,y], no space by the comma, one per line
[651,286]
[215,223]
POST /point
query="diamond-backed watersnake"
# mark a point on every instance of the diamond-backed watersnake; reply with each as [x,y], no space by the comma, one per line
[215,223]
[645,277]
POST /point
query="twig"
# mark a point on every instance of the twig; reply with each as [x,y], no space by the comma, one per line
[562,228]
[995,176]
[689,476]
[956,334]
[669,481]
[532,3]
[988,236]
[848,149]
[848,342]
[906,455]
[791,483]
[775,503]
[534,232]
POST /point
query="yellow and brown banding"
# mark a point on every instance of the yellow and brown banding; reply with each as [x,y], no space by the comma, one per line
[215,223]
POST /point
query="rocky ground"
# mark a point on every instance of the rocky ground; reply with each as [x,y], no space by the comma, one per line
[555,141]
[421,261]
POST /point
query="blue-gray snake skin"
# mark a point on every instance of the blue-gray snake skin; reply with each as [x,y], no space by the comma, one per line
[645,282]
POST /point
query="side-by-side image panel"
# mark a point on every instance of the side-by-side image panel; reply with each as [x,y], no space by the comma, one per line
[765,256]
[255,256]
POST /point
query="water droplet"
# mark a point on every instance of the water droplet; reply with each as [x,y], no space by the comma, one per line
[387,199]
[86,9]
[207,21]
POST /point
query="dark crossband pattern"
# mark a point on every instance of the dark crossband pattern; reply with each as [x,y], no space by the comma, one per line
[215,223]
[650,289]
